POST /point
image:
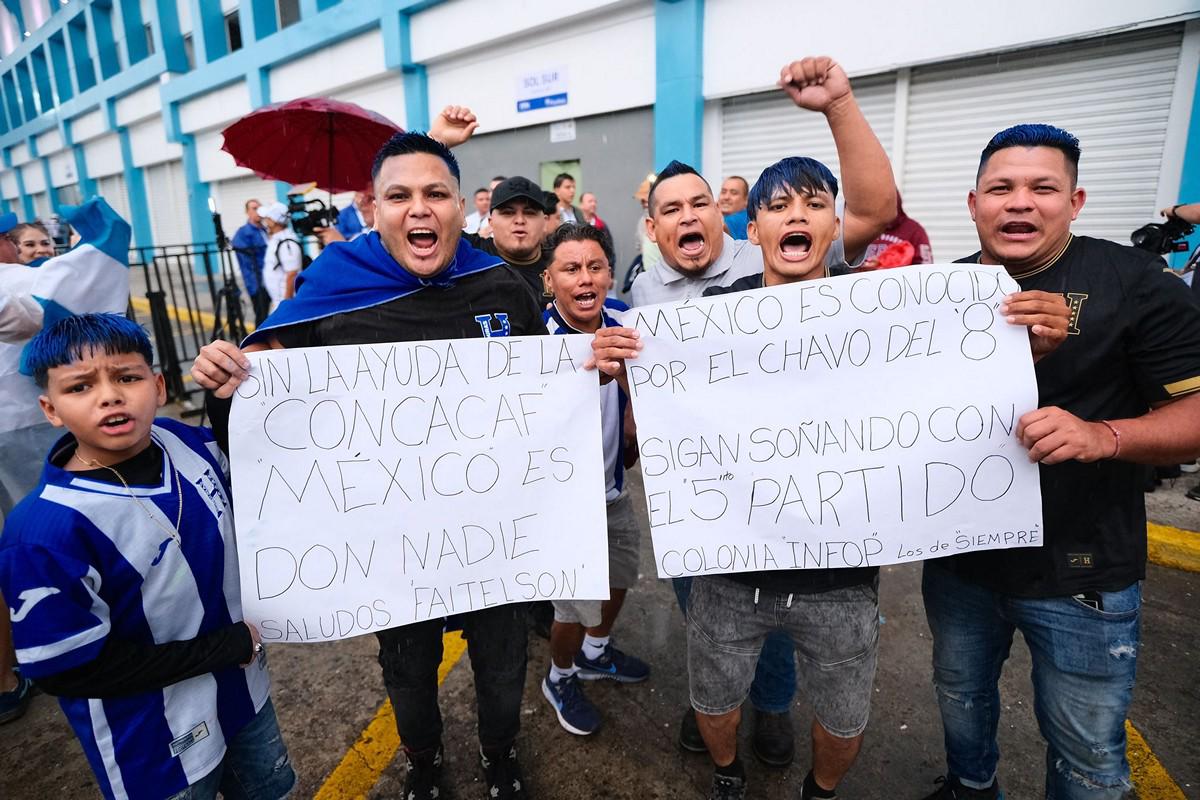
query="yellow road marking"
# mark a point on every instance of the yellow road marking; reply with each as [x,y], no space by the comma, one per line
[1149,776]
[205,318]
[1173,547]
[377,744]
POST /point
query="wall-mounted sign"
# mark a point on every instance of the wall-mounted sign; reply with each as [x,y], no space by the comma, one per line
[544,88]
[562,131]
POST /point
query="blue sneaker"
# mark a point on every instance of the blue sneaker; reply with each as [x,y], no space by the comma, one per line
[612,665]
[575,712]
[14,703]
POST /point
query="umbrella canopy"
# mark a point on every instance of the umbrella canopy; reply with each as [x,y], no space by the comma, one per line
[313,139]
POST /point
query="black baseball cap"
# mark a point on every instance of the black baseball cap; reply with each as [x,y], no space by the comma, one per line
[513,188]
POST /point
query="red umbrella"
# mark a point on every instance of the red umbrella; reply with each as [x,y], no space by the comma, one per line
[310,139]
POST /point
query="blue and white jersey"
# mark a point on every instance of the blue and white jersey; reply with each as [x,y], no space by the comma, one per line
[612,400]
[82,560]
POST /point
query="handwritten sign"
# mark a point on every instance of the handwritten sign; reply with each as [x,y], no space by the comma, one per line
[380,485]
[847,422]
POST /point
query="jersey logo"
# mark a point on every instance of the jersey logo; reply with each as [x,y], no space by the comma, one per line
[198,733]
[30,598]
[485,324]
[1075,301]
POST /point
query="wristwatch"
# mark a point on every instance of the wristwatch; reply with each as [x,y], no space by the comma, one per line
[258,648]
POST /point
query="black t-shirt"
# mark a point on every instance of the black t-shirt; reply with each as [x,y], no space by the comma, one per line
[1133,341]
[531,273]
[497,299]
[795,581]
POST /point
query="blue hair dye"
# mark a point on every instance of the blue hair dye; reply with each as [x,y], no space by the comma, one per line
[1033,135]
[410,142]
[72,338]
[793,175]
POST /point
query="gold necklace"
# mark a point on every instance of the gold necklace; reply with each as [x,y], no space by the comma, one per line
[174,534]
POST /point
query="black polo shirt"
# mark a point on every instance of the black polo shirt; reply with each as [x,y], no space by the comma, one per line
[1133,342]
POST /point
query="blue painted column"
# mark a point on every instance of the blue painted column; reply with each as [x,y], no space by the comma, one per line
[1189,181]
[135,183]
[679,90]
[199,214]
[416,79]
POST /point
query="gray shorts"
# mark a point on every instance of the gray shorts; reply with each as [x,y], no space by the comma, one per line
[624,542]
[836,634]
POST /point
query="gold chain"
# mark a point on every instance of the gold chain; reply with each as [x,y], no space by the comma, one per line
[174,534]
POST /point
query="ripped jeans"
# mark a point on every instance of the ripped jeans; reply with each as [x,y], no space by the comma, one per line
[1084,661]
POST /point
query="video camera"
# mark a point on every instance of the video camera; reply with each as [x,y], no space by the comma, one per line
[1163,237]
[308,215]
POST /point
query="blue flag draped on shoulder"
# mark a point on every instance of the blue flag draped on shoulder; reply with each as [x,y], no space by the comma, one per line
[349,276]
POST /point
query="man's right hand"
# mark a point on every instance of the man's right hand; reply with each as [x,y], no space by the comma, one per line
[327,235]
[610,348]
[455,125]
[221,367]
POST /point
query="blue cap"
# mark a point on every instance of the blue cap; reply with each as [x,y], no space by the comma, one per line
[7,222]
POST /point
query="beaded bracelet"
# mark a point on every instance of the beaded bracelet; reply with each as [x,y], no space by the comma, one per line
[1116,435]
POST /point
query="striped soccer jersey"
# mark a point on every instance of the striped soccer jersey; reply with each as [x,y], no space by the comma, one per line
[81,560]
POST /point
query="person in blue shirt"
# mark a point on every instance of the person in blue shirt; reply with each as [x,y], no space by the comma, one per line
[732,202]
[122,572]
[579,277]
[250,245]
[357,217]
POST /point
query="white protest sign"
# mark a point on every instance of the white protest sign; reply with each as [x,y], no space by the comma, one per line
[380,485]
[854,421]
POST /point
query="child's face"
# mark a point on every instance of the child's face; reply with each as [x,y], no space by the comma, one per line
[107,401]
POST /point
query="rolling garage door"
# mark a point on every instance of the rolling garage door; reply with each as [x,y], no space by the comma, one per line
[166,195]
[1114,93]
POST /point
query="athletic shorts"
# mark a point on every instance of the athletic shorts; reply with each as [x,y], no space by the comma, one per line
[624,543]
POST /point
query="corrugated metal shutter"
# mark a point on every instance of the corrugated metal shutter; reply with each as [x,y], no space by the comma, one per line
[1114,93]
[166,193]
[41,204]
[112,189]
[231,196]
[759,129]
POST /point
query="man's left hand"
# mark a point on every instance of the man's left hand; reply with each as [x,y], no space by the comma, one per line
[455,125]
[1045,314]
[814,83]
[1053,436]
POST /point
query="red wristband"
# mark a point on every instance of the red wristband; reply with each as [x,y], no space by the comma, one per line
[1116,437]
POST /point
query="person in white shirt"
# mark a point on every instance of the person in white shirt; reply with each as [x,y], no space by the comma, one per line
[483,206]
[284,254]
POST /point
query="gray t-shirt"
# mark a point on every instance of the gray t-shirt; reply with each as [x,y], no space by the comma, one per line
[739,258]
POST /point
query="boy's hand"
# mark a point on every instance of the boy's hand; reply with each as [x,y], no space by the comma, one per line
[1046,314]
[221,367]
[814,83]
[610,348]
[453,126]
[256,642]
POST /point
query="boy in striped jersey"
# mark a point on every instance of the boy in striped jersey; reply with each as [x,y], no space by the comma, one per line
[579,277]
[122,574]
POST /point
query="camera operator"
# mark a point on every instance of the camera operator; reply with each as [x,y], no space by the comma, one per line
[1189,213]
[284,256]
[353,221]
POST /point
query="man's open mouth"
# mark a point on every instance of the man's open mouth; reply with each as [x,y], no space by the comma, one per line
[1018,228]
[422,240]
[691,244]
[586,300]
[796,246]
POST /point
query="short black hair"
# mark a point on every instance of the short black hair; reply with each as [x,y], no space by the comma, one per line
[562,178]
[576,232]
[482,189]
[792,175]
[410,142]
[500,178]
[672,170]
[1034,135]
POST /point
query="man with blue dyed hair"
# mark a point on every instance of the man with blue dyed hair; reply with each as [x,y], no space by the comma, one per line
[1123,390]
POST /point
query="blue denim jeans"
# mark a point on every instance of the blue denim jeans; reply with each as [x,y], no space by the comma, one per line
[1084,661]
[774,685]
[256,765]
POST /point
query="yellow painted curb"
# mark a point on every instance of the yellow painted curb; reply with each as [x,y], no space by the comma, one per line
[377,745]
[1173,547]
[1150,778]
[205,318]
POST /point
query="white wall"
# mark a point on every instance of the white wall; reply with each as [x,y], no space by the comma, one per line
[34,177]
[348,62]
[148,141]
[215,164]
[746,44]
[62,169]
[609,61]
[103,156]
[88,126]
[218,107]
[49,142]
[139,104]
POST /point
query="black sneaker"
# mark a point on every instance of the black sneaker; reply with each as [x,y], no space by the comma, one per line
[689,733]
[1194,492]
[424,775]
[727,787]
[774,741]
[951,789]
[504,778]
